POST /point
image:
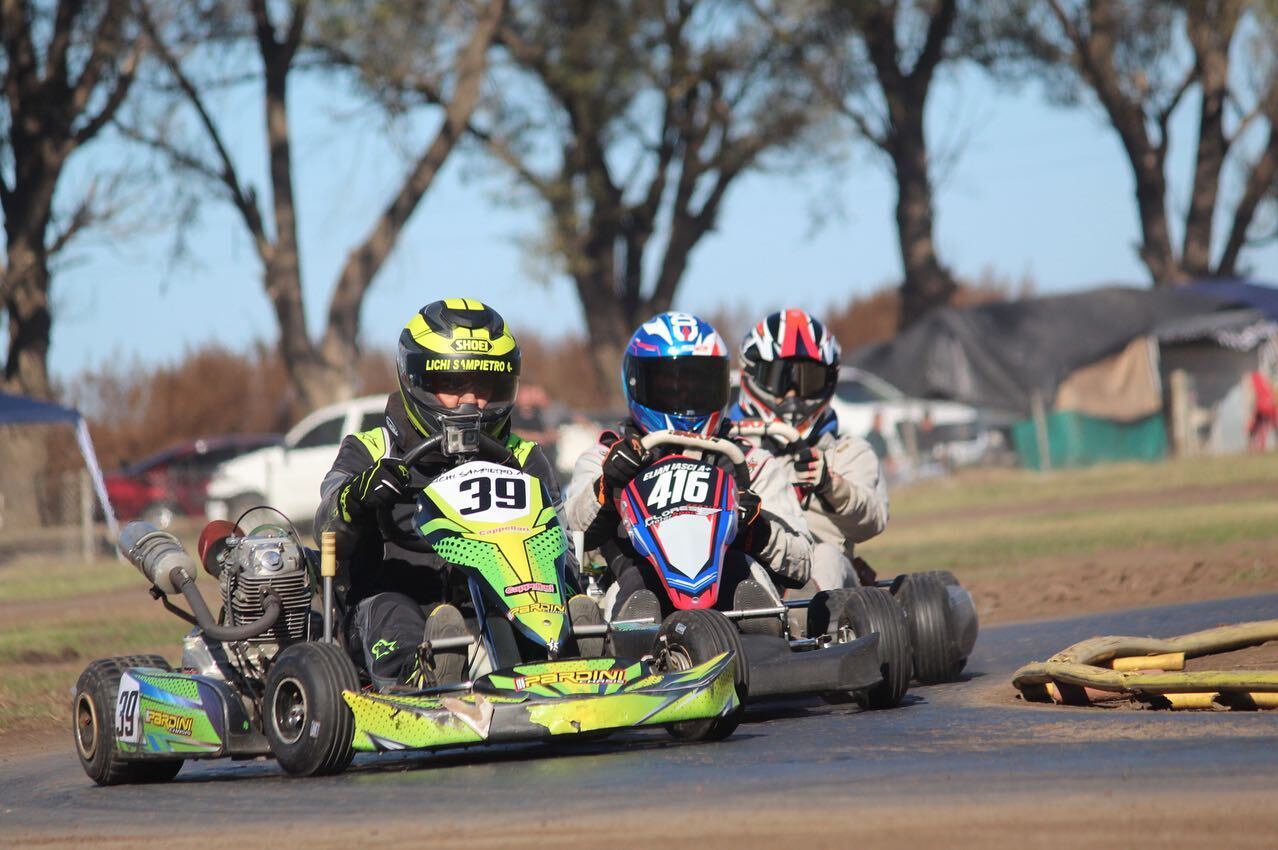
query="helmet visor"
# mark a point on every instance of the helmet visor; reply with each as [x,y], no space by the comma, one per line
[426,385]
[808,378]
[685,386]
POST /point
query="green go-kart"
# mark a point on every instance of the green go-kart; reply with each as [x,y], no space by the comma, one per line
[268,677]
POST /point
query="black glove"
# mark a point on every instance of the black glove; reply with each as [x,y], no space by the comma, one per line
[753,528]
[623,462]
[812,470]
[383,483]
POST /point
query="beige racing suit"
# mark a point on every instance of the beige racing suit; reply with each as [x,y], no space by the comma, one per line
[853,509]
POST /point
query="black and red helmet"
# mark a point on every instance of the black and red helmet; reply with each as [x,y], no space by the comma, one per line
[789,369]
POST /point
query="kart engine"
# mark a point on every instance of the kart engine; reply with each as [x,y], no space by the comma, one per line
[268,559]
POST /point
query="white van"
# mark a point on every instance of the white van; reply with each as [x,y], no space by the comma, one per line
[288,477]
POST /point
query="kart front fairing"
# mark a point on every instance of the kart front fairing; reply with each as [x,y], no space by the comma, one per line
[499,526]
[680,514]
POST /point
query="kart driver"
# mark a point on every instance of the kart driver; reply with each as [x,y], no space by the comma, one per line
[789,368]
[458,365]
[675,376]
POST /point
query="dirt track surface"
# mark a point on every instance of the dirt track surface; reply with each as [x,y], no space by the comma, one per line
[958,765]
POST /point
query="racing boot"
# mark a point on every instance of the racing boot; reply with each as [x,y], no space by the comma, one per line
[752,595]
[585,611]
[444,666]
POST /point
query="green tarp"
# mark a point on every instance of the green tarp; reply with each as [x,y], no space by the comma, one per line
[1075,439]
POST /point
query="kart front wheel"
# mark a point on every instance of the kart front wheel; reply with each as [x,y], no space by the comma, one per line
[872,610]
[689,638]
[940,615]
[308,725]
[93,710]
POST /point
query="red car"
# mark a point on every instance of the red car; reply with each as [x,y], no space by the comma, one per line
[173,482]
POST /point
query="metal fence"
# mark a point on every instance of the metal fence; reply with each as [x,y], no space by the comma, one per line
[54,514]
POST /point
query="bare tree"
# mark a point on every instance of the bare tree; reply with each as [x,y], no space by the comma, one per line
[288,38]
[878,64]
[1126,56]
[627,123]
[67,68]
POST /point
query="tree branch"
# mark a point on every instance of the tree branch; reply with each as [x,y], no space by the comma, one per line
[364,262]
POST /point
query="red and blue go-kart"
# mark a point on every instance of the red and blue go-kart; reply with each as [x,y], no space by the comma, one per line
[680,514]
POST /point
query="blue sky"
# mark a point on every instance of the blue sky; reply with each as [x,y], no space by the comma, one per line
[1038,191]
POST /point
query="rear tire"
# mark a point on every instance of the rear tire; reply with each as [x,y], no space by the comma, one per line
[689,638]
[308,724]
[938,657]
[93,726]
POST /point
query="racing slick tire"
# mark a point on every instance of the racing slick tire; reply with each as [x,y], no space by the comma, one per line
[308,724]
[936,635]
[93,725]
[688,638]
[872,610]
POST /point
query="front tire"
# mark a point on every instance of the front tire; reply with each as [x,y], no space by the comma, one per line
[864,611]
[308,724]
[93,726]
[689,638]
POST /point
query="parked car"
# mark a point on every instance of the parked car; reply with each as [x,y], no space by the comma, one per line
[174,482]
[915,430]
[288,476]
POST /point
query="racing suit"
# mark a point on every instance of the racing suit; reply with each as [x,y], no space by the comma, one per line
[852,510]
[382,583]
[786,556]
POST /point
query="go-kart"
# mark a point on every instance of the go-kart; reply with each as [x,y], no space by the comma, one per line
[680,514]
[939,612]
[268,677]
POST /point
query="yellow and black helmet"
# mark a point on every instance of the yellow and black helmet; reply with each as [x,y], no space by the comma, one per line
[456,347]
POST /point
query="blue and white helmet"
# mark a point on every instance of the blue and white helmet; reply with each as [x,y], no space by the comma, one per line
[675,375]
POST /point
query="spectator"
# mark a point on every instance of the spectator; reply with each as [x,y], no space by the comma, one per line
[1264,416]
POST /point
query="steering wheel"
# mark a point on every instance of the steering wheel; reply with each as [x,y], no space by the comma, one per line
[489,450]
[712,445]
[783,433]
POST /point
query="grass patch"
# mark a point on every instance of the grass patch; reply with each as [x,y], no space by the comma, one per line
[1049,514]
[41,643]
[1008,488]
[30,580]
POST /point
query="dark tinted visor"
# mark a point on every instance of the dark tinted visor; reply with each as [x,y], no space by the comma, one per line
[496,387]
[808,378]
[679,385]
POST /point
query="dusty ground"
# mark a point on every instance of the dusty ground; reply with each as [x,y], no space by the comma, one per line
[1099,818]
[1061,586]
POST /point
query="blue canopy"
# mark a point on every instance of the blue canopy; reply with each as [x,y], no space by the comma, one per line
[15,409]
[20,410]
[1244,293]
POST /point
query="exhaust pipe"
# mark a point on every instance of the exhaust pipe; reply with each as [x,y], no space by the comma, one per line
[162,561]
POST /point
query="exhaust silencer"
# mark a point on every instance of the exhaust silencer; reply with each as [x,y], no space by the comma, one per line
[156,554]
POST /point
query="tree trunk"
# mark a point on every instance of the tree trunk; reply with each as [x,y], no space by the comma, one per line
[927,283]
[609,328]
[27,304]
[1210,32]
[1156,250]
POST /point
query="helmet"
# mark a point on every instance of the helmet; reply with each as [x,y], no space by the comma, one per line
[789,351]
[675,375]
[456,346]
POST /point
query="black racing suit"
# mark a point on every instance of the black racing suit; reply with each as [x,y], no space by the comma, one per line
[383,584]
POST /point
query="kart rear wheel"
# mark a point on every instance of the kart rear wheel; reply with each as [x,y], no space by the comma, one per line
[872,610]
[308,724]
[934,636]
[689,638]
[93,725]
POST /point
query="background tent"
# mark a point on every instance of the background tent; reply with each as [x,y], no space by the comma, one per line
[997,356]
[19,410]
[1242,293]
